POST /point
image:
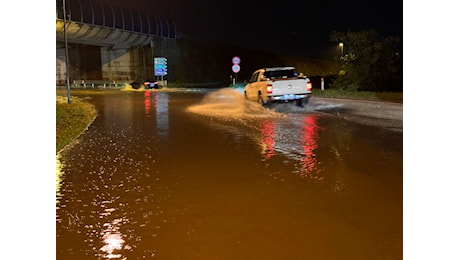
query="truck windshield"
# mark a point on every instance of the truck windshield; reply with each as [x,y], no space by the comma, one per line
[279,74]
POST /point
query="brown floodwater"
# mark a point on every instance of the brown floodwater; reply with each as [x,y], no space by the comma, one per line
[204,174]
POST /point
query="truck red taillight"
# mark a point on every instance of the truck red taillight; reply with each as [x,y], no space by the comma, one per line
[269,88]
[309,86]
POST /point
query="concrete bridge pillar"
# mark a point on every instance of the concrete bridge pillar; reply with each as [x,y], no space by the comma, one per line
[120,64]
[60,67]
[115,64]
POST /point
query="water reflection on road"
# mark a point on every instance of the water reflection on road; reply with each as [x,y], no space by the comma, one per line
[298,142]
[208,175]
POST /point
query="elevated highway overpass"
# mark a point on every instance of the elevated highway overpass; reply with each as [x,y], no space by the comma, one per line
[109,43]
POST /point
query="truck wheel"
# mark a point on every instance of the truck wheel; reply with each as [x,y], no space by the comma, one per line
[299,102]
[135,85]
[261,101]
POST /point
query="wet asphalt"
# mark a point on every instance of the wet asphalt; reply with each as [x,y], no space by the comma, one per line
[205,174]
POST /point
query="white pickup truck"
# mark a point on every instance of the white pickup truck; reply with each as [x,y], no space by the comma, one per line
[279,84]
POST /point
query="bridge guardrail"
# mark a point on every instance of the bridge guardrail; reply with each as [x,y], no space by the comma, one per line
[95,83]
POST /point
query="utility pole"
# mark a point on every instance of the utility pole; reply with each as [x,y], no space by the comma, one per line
[66,54]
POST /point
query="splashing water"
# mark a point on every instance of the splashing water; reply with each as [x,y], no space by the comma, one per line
[312,106]
[230,103]
[128,87]
[227,104]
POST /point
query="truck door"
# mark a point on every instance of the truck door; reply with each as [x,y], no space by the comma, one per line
[251,91]
[260,85]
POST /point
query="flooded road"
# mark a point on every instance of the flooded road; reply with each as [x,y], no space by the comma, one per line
[200,174]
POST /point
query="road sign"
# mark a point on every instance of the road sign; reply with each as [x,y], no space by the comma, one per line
[160,66]
[236,68]
[160,72]
[236,60]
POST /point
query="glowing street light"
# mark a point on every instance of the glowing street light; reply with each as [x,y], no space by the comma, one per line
[341,47]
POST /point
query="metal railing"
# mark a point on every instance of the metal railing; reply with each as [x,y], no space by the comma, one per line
[99,14]
[99,84]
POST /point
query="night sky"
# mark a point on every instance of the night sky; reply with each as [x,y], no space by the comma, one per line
[289,26]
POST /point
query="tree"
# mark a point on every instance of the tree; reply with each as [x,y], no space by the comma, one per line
[369,62]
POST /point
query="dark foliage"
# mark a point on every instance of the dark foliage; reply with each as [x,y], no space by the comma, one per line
[370,62]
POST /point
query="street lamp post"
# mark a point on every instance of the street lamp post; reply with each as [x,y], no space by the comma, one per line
[341,47]
[66,53]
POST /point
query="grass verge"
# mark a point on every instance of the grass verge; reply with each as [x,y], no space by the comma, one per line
[72,119]
[364,95]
